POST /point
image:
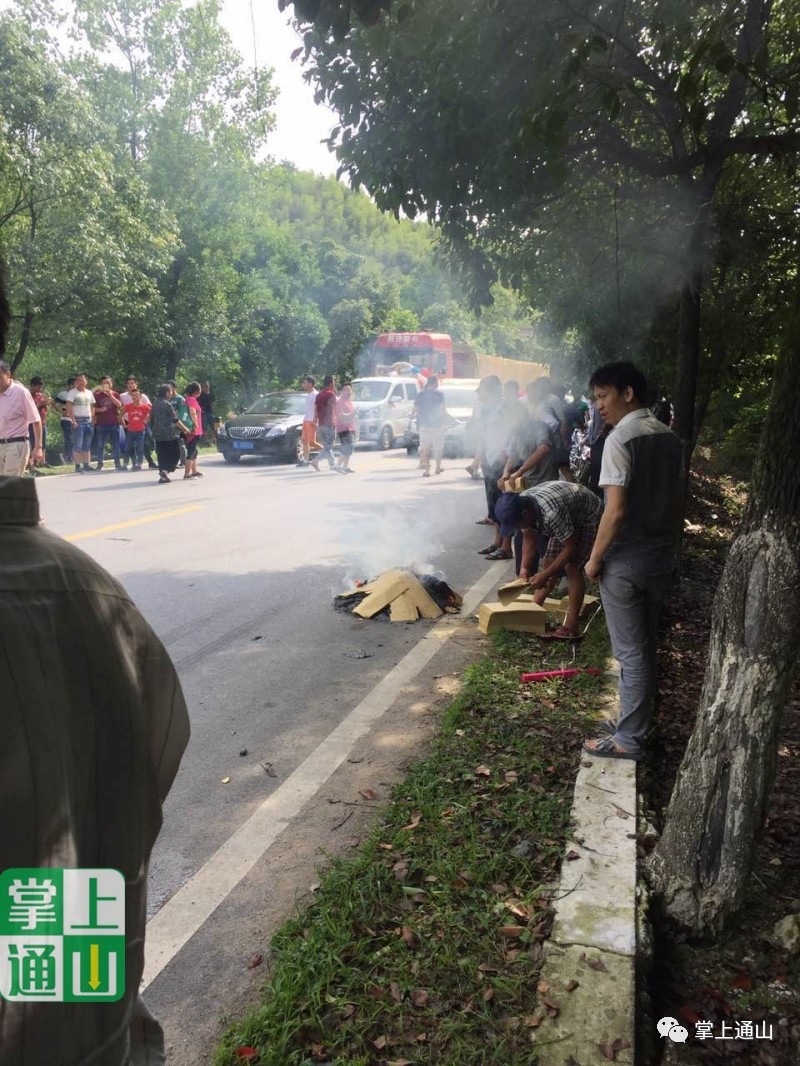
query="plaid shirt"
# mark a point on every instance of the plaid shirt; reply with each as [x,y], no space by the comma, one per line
[566,508]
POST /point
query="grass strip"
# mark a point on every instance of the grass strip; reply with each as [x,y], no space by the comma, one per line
[426,946]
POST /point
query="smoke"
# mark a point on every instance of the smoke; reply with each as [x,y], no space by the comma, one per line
[406,535]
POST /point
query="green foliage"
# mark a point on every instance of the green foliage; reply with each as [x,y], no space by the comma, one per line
[586,156]
[145,231]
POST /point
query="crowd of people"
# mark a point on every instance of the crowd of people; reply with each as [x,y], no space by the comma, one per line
[610,515]
[575,489]
[102,423]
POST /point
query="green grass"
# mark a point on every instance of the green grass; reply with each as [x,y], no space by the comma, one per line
[425,947]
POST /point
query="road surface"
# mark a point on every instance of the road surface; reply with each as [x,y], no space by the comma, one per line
[236,573]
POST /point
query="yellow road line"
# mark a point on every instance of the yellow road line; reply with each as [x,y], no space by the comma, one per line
[134,522]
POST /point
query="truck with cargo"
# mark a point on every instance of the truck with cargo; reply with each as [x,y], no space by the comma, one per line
[436,353]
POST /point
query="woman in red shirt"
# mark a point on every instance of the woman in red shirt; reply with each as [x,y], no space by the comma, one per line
[191,393]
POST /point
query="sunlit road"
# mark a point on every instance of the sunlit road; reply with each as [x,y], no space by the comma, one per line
[236,573]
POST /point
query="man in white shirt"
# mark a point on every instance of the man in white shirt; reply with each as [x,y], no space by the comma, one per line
[17,413]
[309,431]
[80,408]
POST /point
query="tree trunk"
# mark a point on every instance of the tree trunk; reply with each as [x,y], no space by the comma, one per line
[688,362]
[24,337]
[702,863]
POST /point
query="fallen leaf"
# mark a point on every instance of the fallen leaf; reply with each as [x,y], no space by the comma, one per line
[483,771]
[255,960]
[399,1062]
[386,847]
[460,733]
[572,856]
[533,1021]
[488,994]
[353,842]
[519,910]
[543,987]
[226,780]
[553,1009]
[511,930]
[511,776]
[380,1043]
[572,985]
[597,964]
[347,1011]
[246,1054]
[419,997]
[743,981]
[400,869]
[416,818]
[408,937]
[395,993]
[368,793]
[498,888]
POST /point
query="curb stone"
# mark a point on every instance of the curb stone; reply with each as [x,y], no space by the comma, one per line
[592,947]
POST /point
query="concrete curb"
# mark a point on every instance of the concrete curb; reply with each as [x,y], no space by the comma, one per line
[592,947]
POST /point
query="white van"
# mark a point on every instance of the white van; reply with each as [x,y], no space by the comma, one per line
[384,406]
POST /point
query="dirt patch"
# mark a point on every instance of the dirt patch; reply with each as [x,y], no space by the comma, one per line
[744,977]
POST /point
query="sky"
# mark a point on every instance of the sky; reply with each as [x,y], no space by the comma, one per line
[263,36]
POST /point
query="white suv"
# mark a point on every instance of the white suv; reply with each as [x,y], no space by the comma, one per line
[384,406]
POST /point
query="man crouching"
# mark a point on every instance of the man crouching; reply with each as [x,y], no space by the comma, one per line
[566,515]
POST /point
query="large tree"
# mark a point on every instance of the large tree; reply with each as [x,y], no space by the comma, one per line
[83,241]
[494,120]
[508,124]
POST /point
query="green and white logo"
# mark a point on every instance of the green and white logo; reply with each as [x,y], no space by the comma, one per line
[62,935]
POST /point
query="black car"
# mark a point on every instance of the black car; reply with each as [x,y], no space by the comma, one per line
[270,429]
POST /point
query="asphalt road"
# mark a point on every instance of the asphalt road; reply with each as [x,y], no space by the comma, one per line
[236,573]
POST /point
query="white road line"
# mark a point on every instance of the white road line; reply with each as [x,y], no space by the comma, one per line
[180,918]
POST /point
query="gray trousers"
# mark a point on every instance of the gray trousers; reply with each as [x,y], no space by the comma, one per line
[632,598]
[327,434]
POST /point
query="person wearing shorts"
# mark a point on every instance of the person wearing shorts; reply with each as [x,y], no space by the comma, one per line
[80,408]
[431,418]
[568,514]
[308,438]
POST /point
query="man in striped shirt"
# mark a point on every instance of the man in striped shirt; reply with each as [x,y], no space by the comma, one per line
[568,515]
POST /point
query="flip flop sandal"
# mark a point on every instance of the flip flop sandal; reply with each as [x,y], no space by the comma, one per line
[484,522]
[499,555]
[607,727]
[605,748]
[487,551]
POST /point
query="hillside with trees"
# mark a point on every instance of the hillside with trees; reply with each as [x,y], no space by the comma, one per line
[146,229]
